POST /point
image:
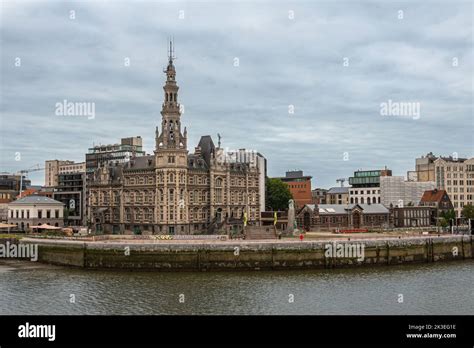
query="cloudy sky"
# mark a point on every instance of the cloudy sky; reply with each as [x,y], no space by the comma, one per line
[334,62]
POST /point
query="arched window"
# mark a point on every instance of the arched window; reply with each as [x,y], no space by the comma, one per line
[362,200]
[171,177]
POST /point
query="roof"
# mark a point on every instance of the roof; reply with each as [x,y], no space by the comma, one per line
[285,179]
[207,148]
[196,162]
[451,159]
[28,192]
[338,190]
[36,199]
[433,195]
[343,208]
[141,162]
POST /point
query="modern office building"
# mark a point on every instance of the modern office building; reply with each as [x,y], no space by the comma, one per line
[52,169]
[113,154]
[300,187]
[65,182]
[365,186]
[10,185]
[70,191]
[10,190]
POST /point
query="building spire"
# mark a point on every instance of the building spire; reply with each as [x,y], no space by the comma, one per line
[170,136]
[171,55]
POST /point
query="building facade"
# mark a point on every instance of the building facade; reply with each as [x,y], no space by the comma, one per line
[71,191]
[300,187]
[424,168]
[10,185]
[51,171]
[35,210]
[319,196]
[412,216]
[456,176]
[173,191]
[337,195]
[365,186]
[395,191]
[333,217]
[65,182]
[10,190]
[122,152]
[72,168]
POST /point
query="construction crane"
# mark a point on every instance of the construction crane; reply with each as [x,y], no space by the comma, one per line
[35,168]
[341,180]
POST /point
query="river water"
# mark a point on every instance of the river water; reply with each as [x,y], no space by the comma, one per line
[439,288]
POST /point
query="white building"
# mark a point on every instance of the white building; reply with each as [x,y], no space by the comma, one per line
[365,186]
[35,210]
[398,192]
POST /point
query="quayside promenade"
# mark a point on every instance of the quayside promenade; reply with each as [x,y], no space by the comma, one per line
[120,252]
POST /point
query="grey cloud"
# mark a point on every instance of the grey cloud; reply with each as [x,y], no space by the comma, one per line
[282,62]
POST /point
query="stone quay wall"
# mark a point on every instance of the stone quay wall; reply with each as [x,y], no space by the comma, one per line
[248,255]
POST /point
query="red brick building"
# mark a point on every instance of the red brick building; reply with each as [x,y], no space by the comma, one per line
[300,187]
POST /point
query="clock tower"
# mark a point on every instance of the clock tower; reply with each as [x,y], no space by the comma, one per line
[171,156]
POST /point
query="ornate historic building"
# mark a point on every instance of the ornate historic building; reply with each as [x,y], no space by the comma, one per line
[173,191]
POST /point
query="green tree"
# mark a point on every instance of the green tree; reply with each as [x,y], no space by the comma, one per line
[468,211]
[278,194]
[443,222]
[448,215]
